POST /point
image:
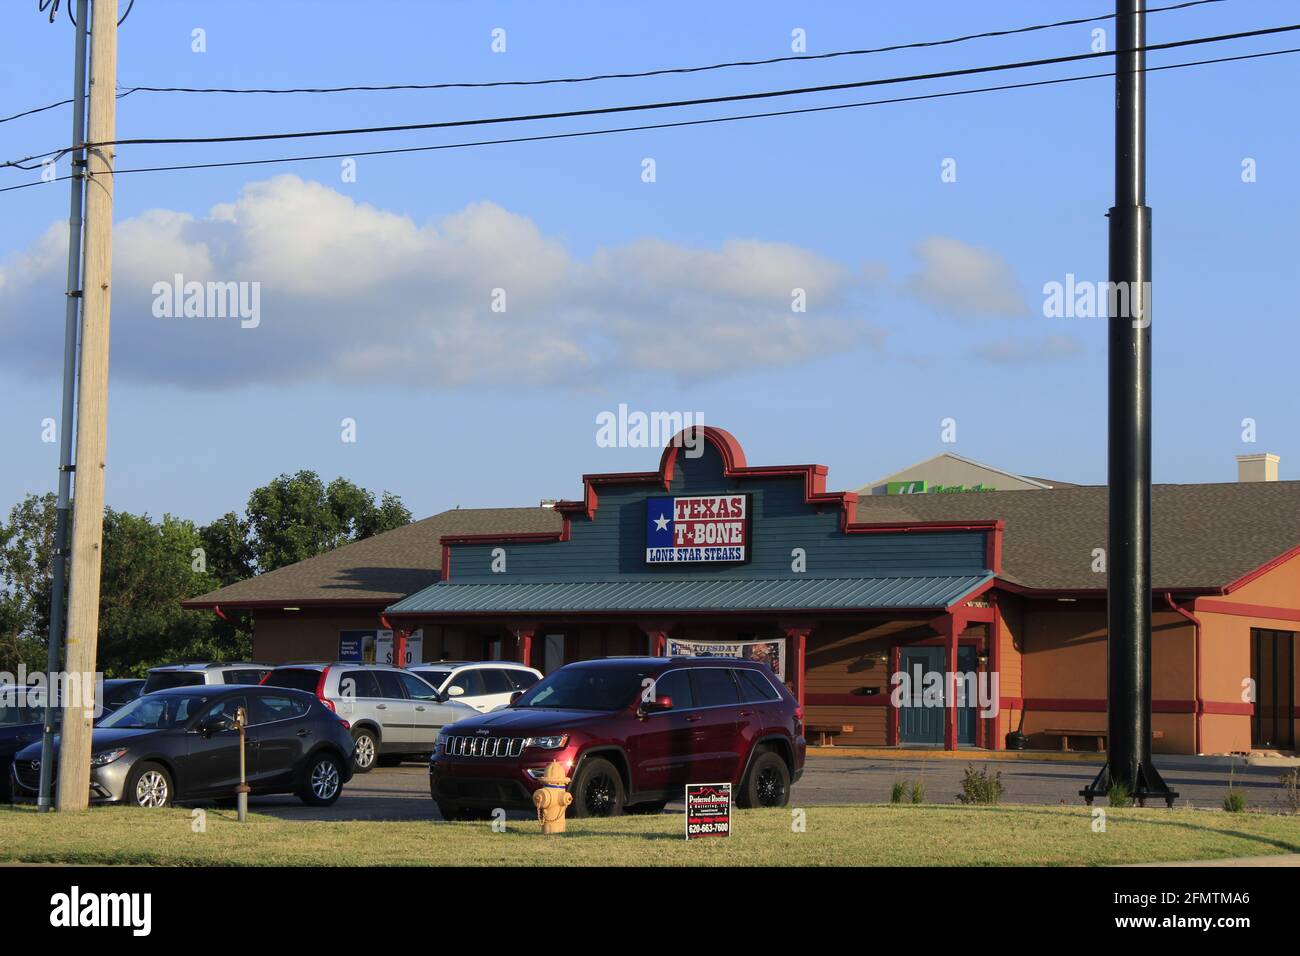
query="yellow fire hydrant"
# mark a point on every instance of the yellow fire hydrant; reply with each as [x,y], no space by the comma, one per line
[552,800]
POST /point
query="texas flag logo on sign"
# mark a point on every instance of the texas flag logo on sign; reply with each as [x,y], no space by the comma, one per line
[697,528]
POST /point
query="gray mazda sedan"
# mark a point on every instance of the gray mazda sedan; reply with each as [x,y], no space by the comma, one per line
[182,744]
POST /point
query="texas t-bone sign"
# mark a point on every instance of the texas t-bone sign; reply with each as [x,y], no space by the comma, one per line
[697,528]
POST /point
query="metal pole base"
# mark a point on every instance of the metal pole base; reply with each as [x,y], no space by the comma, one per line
[1147,786]
[241,803]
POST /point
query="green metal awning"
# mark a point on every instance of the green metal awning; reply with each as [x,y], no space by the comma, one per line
[933,592]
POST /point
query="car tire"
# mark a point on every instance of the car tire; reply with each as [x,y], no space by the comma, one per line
[449,811]
[323,781]
[597,790]
[652,808]
[149,785]
[365,747]
[768,782]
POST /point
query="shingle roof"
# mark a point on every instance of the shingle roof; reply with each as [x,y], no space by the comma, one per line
[1202,536]
[376,570]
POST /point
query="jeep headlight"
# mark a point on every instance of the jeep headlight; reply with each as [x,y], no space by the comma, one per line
[552,742]
[105,757]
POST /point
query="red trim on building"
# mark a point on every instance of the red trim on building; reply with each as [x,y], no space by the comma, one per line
[995,665]
[734,467]
[1088,706]
[1263,569]
[1210,606]
[892,734]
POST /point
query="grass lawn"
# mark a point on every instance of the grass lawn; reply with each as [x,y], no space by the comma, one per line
[876,835]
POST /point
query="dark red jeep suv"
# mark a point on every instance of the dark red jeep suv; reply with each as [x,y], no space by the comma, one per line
[631,733]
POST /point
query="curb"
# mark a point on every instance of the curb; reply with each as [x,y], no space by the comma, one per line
[892,753]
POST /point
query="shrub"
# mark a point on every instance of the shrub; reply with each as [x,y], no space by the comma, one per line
[980,786]
[1234,801]
[1291,789]
[1119,794]
[907,792]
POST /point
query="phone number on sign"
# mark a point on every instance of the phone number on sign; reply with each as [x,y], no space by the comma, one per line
[708,827]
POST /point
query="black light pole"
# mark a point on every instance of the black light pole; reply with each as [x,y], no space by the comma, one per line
[1128,759]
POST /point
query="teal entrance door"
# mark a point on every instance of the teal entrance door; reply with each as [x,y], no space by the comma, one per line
[919,723]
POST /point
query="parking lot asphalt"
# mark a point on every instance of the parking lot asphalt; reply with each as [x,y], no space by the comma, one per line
[402,793]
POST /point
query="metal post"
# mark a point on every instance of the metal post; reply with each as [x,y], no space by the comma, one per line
[71,326]
[1128,761]
[241,792]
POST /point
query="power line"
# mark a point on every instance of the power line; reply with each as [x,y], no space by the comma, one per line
[49,106]
[676,104]
[802,57]
[621,76]
[672,125]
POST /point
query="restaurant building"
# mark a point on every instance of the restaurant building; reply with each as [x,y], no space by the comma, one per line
[863,604]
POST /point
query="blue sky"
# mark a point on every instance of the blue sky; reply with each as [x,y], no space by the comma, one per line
[924,296]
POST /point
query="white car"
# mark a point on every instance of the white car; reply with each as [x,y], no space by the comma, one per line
[484,685]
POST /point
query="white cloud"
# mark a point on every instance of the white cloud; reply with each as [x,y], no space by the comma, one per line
[965,280]
[355,294]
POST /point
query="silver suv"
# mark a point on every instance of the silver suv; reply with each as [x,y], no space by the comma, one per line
[394,714]
[193,675]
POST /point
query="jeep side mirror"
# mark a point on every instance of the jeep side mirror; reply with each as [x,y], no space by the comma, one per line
[515,696]
[455,690]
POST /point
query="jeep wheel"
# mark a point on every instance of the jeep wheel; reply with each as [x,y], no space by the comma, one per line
[768,782]
[366,751]
[597,790]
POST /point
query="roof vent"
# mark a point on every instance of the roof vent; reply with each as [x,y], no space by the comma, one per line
[1257,467]
[548,502]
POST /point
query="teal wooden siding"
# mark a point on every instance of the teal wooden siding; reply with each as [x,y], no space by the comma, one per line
[611,546]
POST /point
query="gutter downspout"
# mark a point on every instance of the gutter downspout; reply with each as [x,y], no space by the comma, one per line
[1196,653]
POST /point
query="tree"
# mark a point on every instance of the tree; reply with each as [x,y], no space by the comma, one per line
[148,569]
[297,517]
[26,582]
[226,549]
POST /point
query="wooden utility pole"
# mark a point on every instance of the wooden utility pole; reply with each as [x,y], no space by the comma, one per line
[92,414]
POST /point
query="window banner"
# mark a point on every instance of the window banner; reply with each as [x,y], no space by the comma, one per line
[770,652]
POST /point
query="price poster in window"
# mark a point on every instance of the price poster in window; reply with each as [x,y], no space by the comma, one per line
[708,810]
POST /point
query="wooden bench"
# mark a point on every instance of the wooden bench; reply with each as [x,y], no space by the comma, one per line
[1099,735]
[829,730]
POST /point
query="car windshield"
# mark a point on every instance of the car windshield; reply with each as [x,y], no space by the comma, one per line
[434,677]
[18,708]
[585,688]
[157,712]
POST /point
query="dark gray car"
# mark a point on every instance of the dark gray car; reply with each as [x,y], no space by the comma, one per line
[182,744]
